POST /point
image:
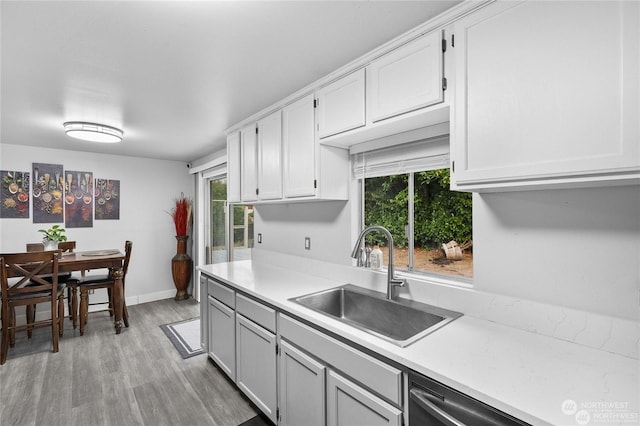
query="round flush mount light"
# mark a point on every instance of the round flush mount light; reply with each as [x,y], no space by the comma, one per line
[93,132]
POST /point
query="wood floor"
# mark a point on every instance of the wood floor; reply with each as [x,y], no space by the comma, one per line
[135,378]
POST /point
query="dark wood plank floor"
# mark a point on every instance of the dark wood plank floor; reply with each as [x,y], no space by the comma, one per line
[135,378]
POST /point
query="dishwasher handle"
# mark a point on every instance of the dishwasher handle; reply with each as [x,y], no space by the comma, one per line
[424,400]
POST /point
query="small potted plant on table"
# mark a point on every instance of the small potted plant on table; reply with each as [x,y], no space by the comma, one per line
[52,237]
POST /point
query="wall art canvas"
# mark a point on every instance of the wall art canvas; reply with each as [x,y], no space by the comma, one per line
[47,191]
[15,194]
[78,199]
[107,196]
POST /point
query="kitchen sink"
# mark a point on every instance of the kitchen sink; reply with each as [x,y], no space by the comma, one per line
[401,322]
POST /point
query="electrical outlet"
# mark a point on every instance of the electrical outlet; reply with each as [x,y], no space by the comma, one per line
[259,238]
[307,243]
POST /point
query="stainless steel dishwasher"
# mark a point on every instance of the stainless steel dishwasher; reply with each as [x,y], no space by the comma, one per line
[433,404]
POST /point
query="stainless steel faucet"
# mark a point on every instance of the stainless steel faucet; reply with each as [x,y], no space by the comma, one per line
[392,282]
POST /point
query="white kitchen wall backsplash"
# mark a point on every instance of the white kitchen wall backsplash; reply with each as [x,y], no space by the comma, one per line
[562,263]
[610,334]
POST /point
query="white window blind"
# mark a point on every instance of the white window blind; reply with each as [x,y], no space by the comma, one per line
[427,154]
[216,171]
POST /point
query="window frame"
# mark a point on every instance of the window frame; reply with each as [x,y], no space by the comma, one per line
[411,272]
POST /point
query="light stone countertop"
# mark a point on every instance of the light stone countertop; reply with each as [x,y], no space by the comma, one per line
[530,376]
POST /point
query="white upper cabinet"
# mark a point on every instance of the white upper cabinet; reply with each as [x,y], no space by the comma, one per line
[546,94]
[249,163]
[270,157]
[406,79]
[404,94]
[341,105]
[233,167]
[311,171]
[298,139]
[278,159]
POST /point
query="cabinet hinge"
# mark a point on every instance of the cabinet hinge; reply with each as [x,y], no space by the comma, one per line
[444,83]
[315,184]
[257,191]
[277,352]
[256,130]
[453,40]
[444,45]
[453,167]
[278,414]
[316,102]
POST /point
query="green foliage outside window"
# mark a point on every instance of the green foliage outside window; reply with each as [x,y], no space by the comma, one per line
[441,215]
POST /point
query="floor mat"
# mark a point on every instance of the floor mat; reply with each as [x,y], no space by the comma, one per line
[185,336]
[259,420]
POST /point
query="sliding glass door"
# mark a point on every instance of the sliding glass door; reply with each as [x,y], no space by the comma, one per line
[228,237]
[217,228]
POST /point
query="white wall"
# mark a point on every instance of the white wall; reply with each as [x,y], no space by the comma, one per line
[284,227]
[148,188]
[577,248]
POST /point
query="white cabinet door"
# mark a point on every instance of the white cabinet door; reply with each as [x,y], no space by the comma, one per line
[270,157]
[406,79]
[204,314]
[301,388]
[249,154]
[546,92]
[222,336]
[256,365]
[233,167]
[341,105]
[298,138]
[350,405]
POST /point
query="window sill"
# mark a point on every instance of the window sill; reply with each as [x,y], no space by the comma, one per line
[432,278]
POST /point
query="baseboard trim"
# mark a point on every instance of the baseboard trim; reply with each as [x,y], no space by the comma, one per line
[132,300]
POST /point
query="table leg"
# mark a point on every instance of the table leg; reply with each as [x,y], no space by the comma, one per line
[84,308]
[118,299]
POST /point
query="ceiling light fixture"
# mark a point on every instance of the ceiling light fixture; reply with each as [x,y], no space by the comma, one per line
[93,132]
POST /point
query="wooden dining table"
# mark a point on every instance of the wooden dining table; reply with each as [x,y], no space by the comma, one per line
[98,259]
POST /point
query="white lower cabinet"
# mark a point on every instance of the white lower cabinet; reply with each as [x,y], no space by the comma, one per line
[314,391]
[350,405]
[204,314]
[222,336]
[301,388]
[256,365]
[295,374]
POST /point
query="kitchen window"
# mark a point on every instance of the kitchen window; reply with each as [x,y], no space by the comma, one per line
[405,188]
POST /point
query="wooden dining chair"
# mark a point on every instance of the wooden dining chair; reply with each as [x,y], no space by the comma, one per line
[64,277]
[21,285]
[105,281]
[63,246]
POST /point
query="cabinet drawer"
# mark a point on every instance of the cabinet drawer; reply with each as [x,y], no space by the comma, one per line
[256,312]
[383,379]
[222,293]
